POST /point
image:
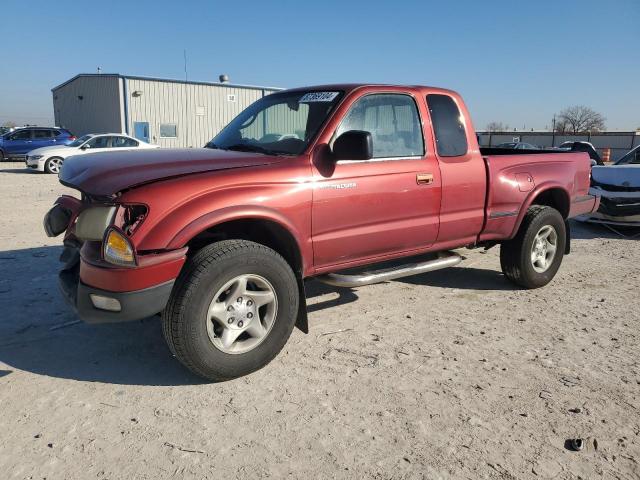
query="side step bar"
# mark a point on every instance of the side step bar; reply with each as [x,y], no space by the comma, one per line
[444,260]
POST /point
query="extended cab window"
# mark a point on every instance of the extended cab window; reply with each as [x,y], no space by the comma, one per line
[448,126]
[392,120]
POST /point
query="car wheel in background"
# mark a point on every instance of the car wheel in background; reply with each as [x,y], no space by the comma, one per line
[231,310]
[533,257]
[53,164]
[1,156]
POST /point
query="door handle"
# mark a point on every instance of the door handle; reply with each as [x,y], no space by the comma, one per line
[424,178]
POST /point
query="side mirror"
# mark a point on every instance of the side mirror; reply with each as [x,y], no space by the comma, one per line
[353,145]
[84,147]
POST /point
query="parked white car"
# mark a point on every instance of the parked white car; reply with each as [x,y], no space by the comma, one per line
[50,159]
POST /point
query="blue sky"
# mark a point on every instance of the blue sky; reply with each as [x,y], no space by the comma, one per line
[513,61]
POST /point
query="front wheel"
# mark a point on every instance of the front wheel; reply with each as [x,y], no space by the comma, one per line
[232,309]
[532,258]
[53,164]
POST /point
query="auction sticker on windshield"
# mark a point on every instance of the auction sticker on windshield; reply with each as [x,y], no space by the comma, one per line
[318,97]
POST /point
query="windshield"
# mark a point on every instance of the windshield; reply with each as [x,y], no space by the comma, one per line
[79,141]
[632,157]
[278,124]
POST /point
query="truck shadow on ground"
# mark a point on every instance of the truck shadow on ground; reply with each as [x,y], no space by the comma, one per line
[589,231]
[463,278]
[40,334]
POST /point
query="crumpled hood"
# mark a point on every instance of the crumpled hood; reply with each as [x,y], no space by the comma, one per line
[107,173]
[617,175]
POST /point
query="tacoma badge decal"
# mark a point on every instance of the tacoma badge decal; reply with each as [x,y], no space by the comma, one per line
[339,186]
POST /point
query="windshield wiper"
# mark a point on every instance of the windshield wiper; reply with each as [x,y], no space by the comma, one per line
[245,147]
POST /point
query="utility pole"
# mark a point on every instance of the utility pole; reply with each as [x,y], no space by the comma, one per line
[186,75]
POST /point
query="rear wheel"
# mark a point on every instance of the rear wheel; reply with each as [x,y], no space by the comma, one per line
[232,309]
[53,164]
[533,257]
[1,156]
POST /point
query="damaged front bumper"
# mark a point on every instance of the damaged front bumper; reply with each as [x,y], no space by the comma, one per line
[116,304]
[101,292]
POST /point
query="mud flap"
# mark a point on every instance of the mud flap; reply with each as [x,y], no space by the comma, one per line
[301,322]
[567,246]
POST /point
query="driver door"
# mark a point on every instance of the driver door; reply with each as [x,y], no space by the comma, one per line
[386,205]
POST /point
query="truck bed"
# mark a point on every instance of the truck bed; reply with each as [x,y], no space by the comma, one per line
[515,151]
[515,176]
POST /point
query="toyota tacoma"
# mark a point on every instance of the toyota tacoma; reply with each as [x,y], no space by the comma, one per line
[309,182]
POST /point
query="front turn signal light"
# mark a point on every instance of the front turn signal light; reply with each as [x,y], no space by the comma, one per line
[117,249]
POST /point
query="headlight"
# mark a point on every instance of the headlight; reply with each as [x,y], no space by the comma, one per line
[93,221]
[116,249]
[36,157]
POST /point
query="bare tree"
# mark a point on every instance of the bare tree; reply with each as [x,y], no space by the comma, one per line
[497,127]
[579,119]
[9,124]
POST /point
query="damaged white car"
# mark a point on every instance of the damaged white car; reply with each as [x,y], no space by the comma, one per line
[618,186]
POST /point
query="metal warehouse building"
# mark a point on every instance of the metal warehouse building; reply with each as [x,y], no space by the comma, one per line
[169,113]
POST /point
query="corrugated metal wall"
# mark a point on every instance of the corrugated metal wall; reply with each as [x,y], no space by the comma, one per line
[89,105]
[198,110]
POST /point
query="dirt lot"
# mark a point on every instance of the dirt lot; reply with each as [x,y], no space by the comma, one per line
[452,374]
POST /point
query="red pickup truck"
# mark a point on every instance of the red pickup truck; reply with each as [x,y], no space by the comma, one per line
[309,182]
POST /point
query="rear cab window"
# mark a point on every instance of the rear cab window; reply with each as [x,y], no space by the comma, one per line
[448,126]
[393,121]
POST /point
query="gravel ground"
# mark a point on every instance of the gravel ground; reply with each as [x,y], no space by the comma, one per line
[452,374]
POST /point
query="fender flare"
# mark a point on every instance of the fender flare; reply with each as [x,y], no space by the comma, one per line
[246,212]
[529,200]
[240,212]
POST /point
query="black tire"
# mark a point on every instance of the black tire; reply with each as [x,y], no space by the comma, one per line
[47,165]
[184,319]
[2,156]
[515,254]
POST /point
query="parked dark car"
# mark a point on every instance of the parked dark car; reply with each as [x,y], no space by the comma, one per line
[518,146]
[23,140]
[583,147]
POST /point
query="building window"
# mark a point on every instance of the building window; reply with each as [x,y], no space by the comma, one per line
[168,130]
